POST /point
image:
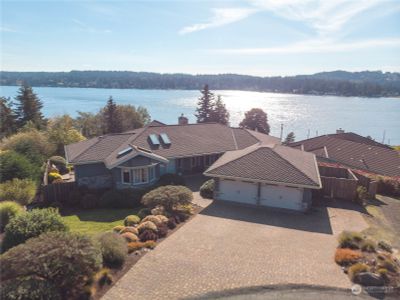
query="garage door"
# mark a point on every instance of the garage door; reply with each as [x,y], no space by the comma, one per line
[238,191]
[281,196]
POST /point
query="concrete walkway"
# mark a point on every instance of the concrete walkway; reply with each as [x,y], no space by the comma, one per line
[228,247]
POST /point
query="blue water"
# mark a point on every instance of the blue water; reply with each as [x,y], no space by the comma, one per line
[303,114]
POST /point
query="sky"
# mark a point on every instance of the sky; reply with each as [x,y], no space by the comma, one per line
[255,37]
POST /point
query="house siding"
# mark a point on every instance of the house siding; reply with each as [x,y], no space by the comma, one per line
[93,175]
[169,168]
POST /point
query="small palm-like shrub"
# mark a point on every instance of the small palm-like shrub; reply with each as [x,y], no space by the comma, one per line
[113,249]
[356,269]
[118,228]
[19,190]
[144,212]
[155,219]
[207,189]
[103,277]
[63,259]
[344,256]
[171,223]
[32,224]
[131,220]
[169,196]
[8,210]
[368,245]
[147,225]
[162,230]
[53,176]
[148,235]
[131,229]
[349,239]
[130,237]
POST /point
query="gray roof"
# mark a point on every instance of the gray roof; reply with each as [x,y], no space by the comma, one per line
[186,140]
[271,163]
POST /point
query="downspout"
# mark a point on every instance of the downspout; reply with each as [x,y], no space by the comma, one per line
[258,193]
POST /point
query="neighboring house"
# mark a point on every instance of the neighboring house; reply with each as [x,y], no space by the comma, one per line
[266,174]
[353,151]
[139,157]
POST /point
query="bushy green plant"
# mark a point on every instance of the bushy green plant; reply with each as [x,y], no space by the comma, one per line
[362,195]
[88,201]
[53,176]
[368,245]
[130,237]
[387,186]
[113,249]
[63,259]
[29,288]
[19,190]
[171,179]
[58,161]
[168,196]
[104,277]
[147,225]
[356,269]
[142,213]
[207,189]
[162,218]
[32,224]
[385,246]
[131,220]
[118,228]
[8,210]
[349,239]
[131,229]
[15,165]
[156,220]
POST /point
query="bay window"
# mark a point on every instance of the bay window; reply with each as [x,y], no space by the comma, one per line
[134,176]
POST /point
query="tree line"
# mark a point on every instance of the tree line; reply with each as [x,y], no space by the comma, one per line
[365,84]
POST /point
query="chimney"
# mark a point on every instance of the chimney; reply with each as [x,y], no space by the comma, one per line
[340,130]
[182,120]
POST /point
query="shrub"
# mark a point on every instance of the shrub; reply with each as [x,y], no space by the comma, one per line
[64,259]
[60,163]
[383,273]
[356,269]
[19,190]
[158,210]
[389,264]
[8,210]
[134,246]
[148,235]
[103,277]
[349,239]
[130,229]
[387,186]
[130,237]
[162,230]
[29,288]
[168,196]
[162,218]
[345,257]
[171,223]
[180,217]
[144,212]
[171,179]
[131,220]
[207,189]
[32,224]
[88,201]
[113,249]
[53,176]
[156,220]
[368,246]
[385,246]
[362,194]
[14,165]
[118,228]
[147,225]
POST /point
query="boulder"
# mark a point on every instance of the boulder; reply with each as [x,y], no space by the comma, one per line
[368,279]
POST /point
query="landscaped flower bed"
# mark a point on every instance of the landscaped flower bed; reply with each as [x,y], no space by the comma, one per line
[367,262]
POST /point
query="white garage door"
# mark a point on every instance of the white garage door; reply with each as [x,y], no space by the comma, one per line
[281,196]
[238,191]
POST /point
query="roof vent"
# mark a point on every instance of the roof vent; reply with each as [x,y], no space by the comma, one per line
[165,139]
[340,130]
[125,151]
[154,139]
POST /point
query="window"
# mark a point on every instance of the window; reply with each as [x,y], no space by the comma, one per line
[141,175]
[126,176]
[152,173]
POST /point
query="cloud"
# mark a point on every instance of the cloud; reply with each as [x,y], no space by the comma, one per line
[315,46]
[7,29]
[221,16]
[84,27]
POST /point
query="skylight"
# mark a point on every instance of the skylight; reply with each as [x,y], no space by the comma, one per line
[165,139]
[125,151]
[154,139]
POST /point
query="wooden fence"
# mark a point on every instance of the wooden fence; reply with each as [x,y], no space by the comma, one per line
[57,192]
[339,183]
[370,184]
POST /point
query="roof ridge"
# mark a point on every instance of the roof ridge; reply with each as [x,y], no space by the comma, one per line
[234,139]
[189,124]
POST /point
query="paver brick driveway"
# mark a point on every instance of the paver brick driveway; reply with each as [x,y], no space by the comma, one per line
[228,246]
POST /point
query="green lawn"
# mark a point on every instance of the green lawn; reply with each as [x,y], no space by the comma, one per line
[94,221]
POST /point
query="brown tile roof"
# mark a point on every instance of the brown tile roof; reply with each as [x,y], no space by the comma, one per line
[268,163]
[364,155]
[186,140]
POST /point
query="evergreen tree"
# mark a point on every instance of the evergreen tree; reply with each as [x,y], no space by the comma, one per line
[220,114]
[256,119]
[29,108]
[112,118]
[289,138]
[7,118]
[205,106]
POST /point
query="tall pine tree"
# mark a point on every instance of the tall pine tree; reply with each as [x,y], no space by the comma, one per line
[289,138]
[220,114]
[205,106]
[7,118]
[255,119]
[113,123]
[29,108]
